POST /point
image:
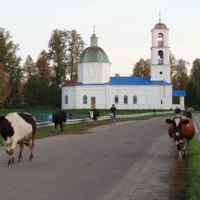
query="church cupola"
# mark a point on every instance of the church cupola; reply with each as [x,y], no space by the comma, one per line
[93,65]
[160,55]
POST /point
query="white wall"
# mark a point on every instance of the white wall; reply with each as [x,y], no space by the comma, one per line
[148,97]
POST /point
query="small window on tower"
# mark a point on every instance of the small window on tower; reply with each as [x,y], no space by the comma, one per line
[160,73]
[160,40]
[160,57]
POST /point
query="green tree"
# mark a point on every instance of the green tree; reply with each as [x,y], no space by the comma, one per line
[58,56]
[142,68]
[173,64]
[29,68]
[10,61]
[195,71]
[36,92]
[75,48]
[180,77]
[192,93]
[43,67]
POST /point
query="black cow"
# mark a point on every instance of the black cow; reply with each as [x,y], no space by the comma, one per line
[59,118]
[187,114]
[17,128]
[93,115]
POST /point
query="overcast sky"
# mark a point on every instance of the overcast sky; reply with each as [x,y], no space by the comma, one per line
[123,27]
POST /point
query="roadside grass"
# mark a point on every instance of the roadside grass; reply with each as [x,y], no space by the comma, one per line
[193,170]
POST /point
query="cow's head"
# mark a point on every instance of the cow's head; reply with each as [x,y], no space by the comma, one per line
[6,128]
[177,123]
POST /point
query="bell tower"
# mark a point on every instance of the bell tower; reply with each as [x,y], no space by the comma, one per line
[160,61]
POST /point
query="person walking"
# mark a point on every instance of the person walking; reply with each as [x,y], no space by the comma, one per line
[177,112]
[112,112]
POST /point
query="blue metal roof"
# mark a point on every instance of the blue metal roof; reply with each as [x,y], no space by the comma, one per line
[132,80]
[178,93]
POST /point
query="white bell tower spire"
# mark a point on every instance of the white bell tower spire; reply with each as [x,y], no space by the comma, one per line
[160,61]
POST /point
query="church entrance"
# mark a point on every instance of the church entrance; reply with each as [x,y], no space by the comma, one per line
[93,102]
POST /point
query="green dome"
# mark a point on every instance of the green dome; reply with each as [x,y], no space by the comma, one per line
[93,54]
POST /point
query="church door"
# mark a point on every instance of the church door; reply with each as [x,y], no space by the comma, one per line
[93,102]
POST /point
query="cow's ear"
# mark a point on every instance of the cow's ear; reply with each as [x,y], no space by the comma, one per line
[185,121]
[168,121]
[2,118]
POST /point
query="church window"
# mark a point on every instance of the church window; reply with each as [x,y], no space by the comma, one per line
[92,72]
[84,99]
[160,40]
[88,73]
[134,99]
[161,102]
[66,99]
[125,99]
[97,72]
[160,57]
[116,99]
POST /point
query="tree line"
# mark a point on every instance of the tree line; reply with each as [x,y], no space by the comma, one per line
[181,78]
[38,83]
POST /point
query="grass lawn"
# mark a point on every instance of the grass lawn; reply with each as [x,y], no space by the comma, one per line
[193,170]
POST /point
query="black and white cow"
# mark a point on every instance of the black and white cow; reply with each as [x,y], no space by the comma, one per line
[59,117]
[17,128]
[93,115]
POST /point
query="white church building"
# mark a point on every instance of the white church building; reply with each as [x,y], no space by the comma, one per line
[96,89]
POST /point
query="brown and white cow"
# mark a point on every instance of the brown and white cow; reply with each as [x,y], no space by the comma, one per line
[182,130]
[17,128]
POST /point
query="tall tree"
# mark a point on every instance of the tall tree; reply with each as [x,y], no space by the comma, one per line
[195,71]
[10,60]
[180,77]
[4,84]
[75,48]
[58,55]
[173,64]
[193,93]
[36,91]
[43,66]
[29,68]
[142,68]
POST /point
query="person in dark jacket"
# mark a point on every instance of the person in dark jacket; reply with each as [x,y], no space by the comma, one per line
[113,110]
[177,112]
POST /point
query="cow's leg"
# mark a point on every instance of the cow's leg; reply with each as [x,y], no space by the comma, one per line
[179,151]
[184,153]
[31,145]
[20,152]
[11,158]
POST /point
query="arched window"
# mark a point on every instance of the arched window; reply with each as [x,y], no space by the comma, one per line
[116,99]
[160,57]
[134,99]
[160,40]
[66,99]
[125,99]
[84,99]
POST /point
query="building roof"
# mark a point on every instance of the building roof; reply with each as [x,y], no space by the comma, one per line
[70,83]
[93,54]
[160,26]
[132,80]
[178,93]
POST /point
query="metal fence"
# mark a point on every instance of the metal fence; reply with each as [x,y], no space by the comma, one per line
[84,120]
